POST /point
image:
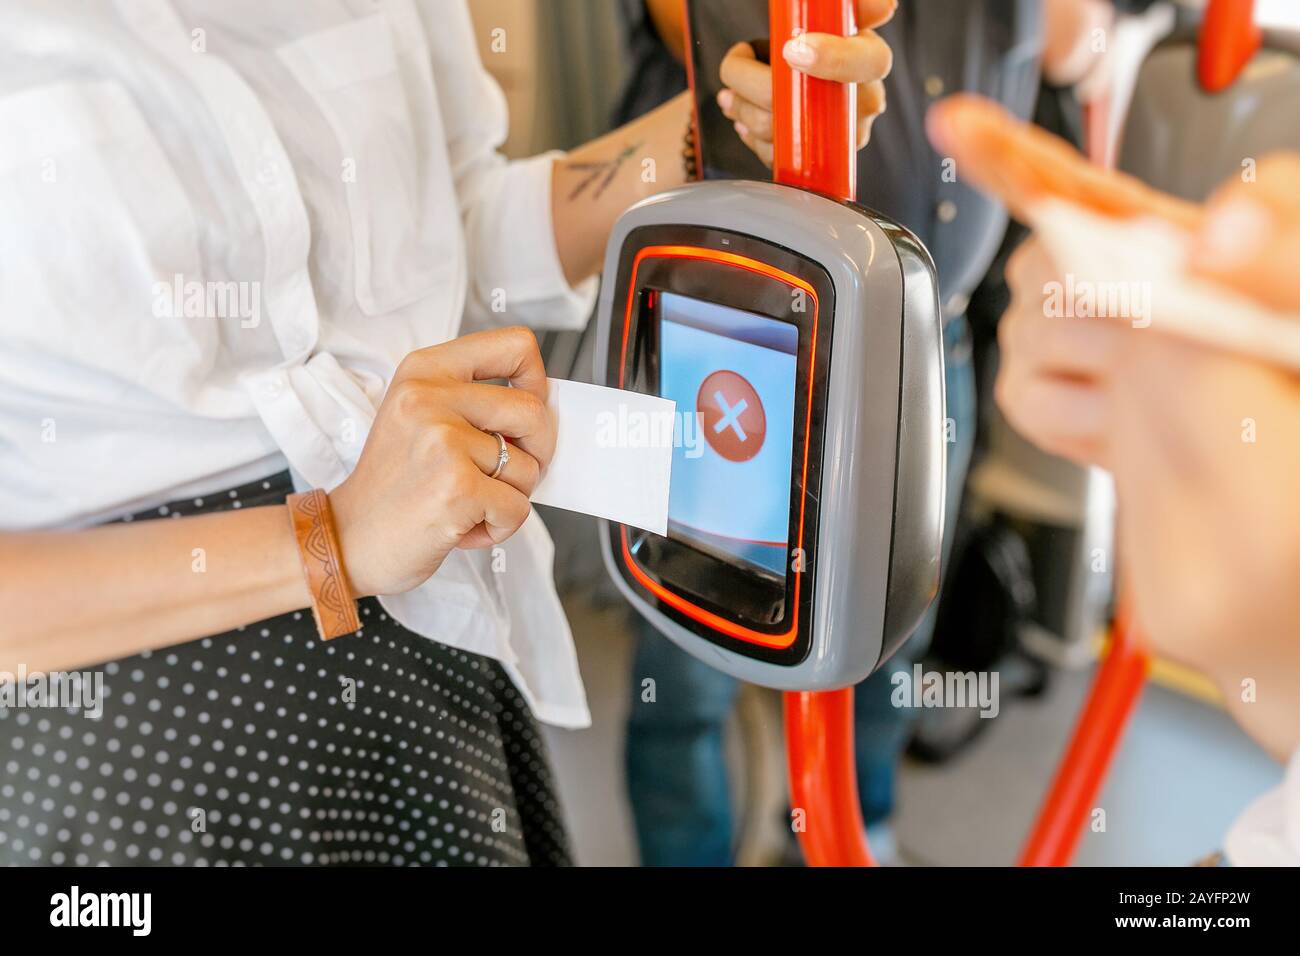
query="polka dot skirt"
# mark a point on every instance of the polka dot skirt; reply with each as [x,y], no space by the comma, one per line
[265,745]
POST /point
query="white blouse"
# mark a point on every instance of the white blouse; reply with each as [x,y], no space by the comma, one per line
[222,225]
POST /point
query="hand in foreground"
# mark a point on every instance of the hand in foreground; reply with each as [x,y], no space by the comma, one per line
[1054,373]
[1204,444]
[422,486]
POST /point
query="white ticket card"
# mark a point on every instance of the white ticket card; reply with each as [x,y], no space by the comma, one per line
[613,454]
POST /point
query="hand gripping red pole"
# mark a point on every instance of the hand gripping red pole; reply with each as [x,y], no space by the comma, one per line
[814,121]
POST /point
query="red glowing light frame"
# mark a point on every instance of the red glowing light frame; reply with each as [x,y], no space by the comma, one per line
[674,600]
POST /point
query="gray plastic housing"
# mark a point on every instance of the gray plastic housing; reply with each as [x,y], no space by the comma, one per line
[876,567]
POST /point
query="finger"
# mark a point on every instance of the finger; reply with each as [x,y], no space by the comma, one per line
[1084,348]
[874,13]
[753,118]
[749,78]
[1038,334]
[1029,266]
[521,471]
[1273,185]
[871,103]
[871,100]
[517,414]
[1269,276]
[503,511]
[1250,240]
[1021,165]
[1061,416]
[762,148]
[510,353]
[863,58]
[865,127]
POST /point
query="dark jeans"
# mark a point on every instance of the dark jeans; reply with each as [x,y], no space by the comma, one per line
[676,774]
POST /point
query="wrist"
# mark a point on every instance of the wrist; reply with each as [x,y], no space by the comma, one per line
[350,546]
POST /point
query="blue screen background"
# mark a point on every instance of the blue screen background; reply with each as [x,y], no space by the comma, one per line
[739,510]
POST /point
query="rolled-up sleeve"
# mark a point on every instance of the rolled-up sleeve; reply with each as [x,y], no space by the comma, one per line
[515,276]
[514,271]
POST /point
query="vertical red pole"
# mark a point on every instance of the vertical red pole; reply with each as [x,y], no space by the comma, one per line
[823,778]
[815,147]
[1229,40]
[815,120]
[1097,732]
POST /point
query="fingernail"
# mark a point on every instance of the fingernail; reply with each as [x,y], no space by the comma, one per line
[798,52]
[725,99]
[1232,235]
[742,130]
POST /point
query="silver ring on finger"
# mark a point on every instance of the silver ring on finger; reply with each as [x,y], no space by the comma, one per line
[503,455]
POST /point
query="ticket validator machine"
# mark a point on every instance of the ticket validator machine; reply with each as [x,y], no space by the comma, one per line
[800,335]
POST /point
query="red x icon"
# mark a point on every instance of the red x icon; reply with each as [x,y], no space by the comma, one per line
[734,421]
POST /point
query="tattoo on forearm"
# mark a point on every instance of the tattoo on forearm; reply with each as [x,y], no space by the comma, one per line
[601,173]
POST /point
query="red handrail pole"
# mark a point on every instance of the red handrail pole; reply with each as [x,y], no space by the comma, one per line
[815,142]
[1229,40]
[814,121]
[1096,736]
[823,778]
